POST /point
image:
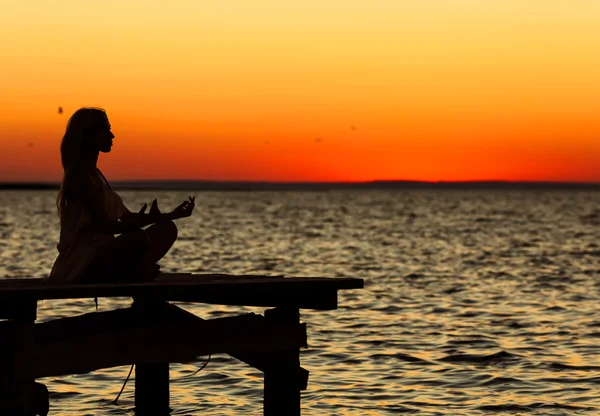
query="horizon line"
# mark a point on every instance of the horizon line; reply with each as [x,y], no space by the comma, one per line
[249,185]
[318,182]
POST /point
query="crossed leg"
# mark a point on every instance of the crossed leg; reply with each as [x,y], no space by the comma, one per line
[132,256]
[162,235]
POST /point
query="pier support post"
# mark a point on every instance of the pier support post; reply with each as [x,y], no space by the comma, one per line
[151,379]
[17,335]
[7,379]
[152,389]
[282,389]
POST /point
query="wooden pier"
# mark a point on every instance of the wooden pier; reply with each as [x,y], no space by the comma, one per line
[153,333]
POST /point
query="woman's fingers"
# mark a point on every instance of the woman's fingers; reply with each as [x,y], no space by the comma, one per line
[154,208]
[186,207]
[192,201]
[190,204]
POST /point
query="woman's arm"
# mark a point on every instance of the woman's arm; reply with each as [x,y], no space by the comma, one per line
[184,210]
[131,221]
[129,216]
[154,216]
[100,222]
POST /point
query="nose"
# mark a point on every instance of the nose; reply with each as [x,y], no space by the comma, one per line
[112,136]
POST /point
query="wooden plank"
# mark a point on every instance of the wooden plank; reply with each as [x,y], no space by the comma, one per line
[176,277]
[25,283]
[20,283]
[205,277]
[38,288]
[313,293]
[165,341]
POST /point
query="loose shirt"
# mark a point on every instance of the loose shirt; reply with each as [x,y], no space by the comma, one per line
[77,245]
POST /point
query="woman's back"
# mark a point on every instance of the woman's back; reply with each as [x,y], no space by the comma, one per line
[78,241]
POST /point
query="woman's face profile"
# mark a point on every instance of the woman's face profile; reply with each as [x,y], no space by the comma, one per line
[102,138]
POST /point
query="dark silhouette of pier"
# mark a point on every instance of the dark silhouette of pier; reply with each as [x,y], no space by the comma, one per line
[153,333]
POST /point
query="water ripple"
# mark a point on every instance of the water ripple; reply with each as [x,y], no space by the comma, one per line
[474,303]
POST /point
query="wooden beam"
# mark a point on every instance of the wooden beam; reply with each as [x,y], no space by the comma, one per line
[258,360]
[325,299]
[163,341]
[19,308]
[89,324]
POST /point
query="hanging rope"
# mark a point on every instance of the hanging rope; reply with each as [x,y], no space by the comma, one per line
[202,367]
[124,384]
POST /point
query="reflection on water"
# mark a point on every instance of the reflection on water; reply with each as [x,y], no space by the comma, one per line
[475,302]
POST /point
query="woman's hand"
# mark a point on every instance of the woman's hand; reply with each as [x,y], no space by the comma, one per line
[185,209]
[135,216]
[154,211]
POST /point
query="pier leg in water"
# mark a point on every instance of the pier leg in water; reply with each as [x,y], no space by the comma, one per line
[151,379]
[25,398]
[32,399]
[282,388]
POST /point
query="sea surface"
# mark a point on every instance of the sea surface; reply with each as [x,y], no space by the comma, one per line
[475,302]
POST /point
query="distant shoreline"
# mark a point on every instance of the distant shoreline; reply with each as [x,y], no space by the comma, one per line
[318,186]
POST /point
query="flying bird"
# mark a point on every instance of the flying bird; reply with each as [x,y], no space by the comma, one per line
[59,110]
[353,128]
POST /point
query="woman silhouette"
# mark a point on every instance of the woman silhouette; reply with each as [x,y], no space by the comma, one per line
[91,213]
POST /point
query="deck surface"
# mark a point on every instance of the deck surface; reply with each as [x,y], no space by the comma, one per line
[250,290]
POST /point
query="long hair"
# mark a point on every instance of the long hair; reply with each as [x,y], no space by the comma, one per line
[71,149]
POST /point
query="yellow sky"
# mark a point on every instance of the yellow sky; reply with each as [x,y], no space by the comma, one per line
[435,89]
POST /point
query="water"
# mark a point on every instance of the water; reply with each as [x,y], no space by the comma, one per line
[475,302]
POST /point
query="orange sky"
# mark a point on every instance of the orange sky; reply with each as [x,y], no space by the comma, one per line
[241,90]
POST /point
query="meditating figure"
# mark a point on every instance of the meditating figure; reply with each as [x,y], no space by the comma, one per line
[91,214]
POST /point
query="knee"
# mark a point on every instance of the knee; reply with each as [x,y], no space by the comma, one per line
[142,241]
[170,230]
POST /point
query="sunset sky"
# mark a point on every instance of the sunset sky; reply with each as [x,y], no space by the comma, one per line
[307,90]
